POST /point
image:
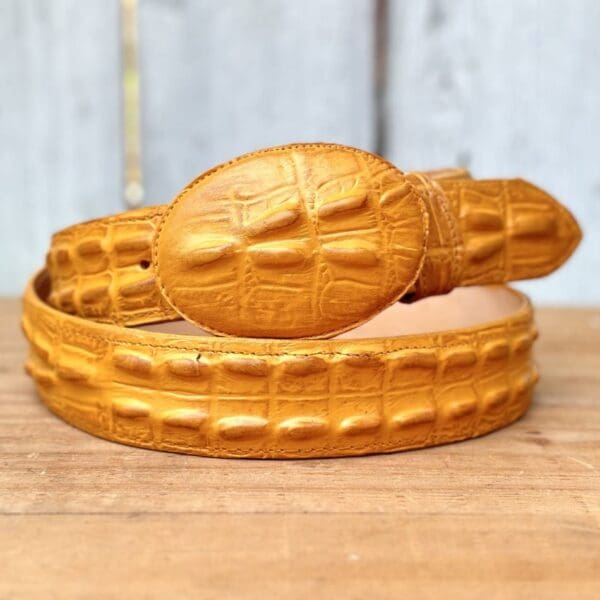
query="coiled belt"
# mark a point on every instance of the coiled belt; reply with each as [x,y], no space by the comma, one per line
[284,247]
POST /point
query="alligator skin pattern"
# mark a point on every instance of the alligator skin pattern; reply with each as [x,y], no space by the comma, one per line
[306,253]
[220,396]
[294,241]
[511,229]
[100,269]
[281,247]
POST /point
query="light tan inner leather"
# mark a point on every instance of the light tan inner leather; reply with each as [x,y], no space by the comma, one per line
[463,307]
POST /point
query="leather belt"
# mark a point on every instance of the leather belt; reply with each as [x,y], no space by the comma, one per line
[284,247]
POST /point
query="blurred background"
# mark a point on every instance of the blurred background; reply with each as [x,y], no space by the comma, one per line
[110,104]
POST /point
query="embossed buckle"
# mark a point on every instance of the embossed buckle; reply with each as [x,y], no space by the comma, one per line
[304,240]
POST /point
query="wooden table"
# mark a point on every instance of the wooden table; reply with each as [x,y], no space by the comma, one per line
[512,514]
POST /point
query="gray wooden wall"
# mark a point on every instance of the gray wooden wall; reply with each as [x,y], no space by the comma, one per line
[506,88]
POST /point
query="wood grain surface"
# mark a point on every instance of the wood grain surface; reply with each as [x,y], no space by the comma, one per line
[513,514]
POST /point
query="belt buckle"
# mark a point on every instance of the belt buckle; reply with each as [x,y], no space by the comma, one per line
[304,240]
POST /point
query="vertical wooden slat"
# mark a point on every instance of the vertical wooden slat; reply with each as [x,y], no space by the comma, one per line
[60,124]
[223,78]
[507,88]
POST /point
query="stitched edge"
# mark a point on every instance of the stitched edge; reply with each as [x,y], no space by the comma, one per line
[274,451]
[124,217]
[521,318]
[456,238]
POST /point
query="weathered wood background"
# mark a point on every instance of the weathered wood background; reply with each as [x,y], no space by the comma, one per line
[506,88]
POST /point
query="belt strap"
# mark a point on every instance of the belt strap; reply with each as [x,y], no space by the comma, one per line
[221,396]
[319,240]
[473,232]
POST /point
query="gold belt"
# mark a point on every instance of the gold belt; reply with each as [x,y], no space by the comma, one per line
[264,257]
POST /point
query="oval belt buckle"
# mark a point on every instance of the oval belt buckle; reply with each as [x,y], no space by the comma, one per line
[306,240]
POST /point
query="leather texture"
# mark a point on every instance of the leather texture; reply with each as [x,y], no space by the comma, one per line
[475,232]
[221,396]
[296,241]
[276,249]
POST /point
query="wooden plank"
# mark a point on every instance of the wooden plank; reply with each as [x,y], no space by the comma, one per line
[508,89]
[514,512]
[222,78]
[298,556]
[60,124]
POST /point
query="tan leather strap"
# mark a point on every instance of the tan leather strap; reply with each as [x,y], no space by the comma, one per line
[291,398]
[477,232]
[276,249]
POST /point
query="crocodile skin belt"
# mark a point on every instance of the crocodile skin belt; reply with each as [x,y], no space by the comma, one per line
[258,314]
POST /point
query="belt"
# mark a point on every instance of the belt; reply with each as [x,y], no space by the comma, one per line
[303,300]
